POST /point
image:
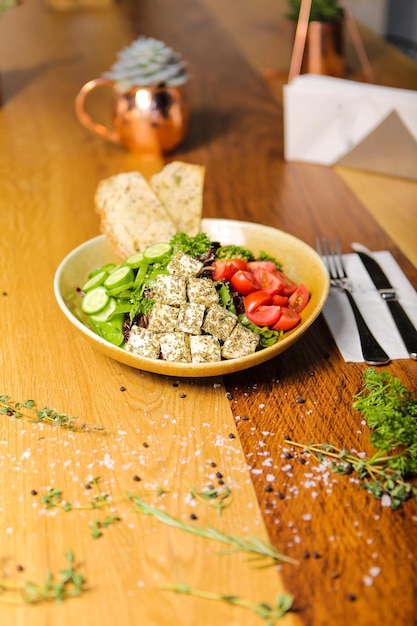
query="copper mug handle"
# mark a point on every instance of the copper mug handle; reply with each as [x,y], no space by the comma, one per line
[85,118]
[145,120]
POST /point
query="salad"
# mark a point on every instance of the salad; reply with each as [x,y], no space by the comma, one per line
[193,300]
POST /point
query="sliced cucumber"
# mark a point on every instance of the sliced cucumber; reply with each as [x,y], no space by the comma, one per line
[94,281]
[120,289]
[104,268]
[120,277]
[135,260]
[157,251]
[94,301]
[140,276]
[106,313]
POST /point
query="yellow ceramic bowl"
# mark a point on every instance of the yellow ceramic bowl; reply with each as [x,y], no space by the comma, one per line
[298,259]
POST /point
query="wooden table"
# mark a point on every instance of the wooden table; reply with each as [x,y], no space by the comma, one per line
[160,433]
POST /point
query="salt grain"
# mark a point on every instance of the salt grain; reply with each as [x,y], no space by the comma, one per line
[386,500]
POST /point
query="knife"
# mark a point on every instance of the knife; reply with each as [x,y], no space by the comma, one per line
[387,292]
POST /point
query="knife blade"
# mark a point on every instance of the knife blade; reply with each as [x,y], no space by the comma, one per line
[388,293]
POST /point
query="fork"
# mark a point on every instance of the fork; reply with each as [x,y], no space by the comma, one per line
[331,254]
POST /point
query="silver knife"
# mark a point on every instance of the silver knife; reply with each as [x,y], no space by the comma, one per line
[387,292]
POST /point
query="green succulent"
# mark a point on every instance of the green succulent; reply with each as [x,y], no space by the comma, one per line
[321,10]
[147,62]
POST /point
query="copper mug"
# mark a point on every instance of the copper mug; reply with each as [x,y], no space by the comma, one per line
[146,120]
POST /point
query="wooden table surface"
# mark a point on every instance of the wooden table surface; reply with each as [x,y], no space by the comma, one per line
[159,433]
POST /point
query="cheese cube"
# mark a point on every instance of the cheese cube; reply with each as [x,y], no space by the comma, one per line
[175,347]
[219,322]
[202,291]
[163,318]
[184,265]
[190,318]
[242,341]
[204,349]
[170,289]
[143,342]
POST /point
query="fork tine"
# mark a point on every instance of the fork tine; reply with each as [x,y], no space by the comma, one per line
[340,257]
[325,249]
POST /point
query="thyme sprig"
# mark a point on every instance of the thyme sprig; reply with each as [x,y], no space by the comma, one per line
[27,410]
[259,550]
[217,498]
[54,498]
[68,583]
[372,472]
[269,613]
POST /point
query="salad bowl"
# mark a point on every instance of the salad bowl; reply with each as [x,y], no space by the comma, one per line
[299,261]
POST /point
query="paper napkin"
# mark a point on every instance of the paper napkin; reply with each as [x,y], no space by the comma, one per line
[336,121]
[339,316]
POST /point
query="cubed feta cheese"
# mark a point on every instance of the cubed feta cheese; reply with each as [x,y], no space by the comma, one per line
[170,289]
[204,349]
[202,291]
[190,318]
[143,342]
[163,318]
[219,322]
[184,265]
[175,347]
[242,341]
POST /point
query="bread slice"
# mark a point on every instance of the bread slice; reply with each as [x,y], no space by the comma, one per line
[179,186]
[132,216]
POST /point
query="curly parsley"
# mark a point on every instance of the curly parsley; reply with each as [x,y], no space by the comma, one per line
[194,246]
[390,410]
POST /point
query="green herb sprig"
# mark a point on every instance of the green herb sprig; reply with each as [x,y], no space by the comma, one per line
[54,499]
[216,498]
[68,583]
[268,612]
[259,550]
[27,410]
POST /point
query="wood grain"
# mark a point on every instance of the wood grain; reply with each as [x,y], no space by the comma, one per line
[354,555]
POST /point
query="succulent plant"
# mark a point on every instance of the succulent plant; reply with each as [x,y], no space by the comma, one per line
[147,62]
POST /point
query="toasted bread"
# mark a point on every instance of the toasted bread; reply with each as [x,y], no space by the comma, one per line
[132,216]
[179,186]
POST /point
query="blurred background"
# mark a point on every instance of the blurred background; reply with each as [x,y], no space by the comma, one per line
[396,20]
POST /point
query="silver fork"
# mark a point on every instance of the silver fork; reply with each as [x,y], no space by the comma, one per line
[331,254]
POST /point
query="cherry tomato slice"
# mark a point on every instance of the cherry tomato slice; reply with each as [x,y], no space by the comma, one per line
[289,286]
[299,298]
[269,266]
[244,282]
[279,300]
[288,319]
[255,299]
[225,268]
[268,281]
[265,315]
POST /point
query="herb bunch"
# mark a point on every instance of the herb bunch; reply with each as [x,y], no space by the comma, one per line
[390,410]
